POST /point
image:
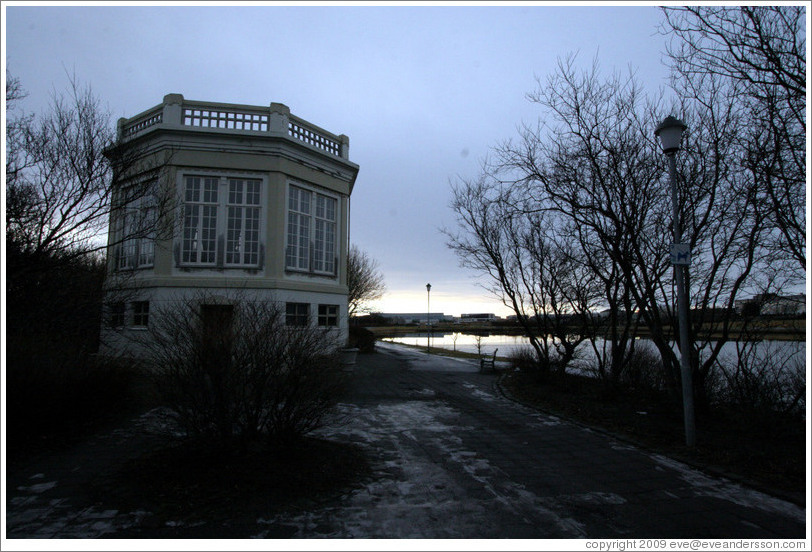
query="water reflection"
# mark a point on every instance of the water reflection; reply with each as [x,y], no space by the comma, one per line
[510,344]
[466,343]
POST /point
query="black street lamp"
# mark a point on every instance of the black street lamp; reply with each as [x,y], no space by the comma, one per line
[670,134]
[428,318]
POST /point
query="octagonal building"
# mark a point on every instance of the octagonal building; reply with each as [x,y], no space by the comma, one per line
[222,201]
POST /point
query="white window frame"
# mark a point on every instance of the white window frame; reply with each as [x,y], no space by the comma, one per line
[136,231]
[198,246]
[312,253]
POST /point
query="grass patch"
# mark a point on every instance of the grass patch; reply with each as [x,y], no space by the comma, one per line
[769,453]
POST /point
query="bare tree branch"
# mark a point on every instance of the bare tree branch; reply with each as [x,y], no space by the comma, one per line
[365,281]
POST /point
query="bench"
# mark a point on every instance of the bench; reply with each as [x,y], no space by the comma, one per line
[488,364]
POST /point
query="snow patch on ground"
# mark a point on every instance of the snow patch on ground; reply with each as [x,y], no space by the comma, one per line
[479,393]
[724,489]
[58,519]
[38,488]
[419,488]
[423,361]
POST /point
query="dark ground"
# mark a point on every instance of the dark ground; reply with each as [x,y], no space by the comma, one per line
[768,454]
[428,449]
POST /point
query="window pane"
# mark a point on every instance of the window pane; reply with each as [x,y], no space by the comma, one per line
[235,192]
[129,245]
[325,235]
[117,314]
[296,314]
[318,253]
[149,219]
[208,234]
[234,235]
[252,192]
[192,189]
[140,313]
[210,190]
[190,233]
[304,201]
[328,315]
[251,236]
[329,247]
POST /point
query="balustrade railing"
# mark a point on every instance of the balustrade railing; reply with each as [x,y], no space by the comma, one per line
[309,134]
[175,111]
[137,124]
[234,119]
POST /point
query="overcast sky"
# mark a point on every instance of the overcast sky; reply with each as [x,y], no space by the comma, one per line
[423,92]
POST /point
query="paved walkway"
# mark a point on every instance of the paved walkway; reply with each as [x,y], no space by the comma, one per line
[453,458]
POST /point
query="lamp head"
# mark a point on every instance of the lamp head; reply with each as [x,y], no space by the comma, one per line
[670,134]
[428,287]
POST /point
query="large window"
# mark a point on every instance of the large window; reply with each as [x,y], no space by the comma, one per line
[136,230]
[221,206]
[200,220]
[312,227]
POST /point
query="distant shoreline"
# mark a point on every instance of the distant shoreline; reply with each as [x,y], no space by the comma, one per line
[778,330]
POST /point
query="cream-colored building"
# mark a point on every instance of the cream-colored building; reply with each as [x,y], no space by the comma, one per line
[250,202]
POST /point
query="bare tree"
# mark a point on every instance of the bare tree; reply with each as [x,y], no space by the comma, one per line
[529,269]
[759,53]
[589,180]
[365,281]
[593,163]
[72,191]
[63,177]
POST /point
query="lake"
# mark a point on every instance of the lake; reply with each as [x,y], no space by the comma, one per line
[784,352]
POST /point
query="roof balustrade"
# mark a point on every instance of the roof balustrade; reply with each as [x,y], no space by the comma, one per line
[176,112]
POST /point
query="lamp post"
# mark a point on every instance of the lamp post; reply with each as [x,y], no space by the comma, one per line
[428,318]
[670,134]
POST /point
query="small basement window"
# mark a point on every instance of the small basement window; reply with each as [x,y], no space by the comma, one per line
[328,315]
[296,314]
[140,314]
[116,313]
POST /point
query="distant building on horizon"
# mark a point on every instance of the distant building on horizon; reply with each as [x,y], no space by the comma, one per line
[414,317]
[478,317]
[770,303]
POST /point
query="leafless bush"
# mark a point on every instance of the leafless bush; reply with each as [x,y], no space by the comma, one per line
[524,359]
[527,360]
[644,370]
[237,372]
[765,379]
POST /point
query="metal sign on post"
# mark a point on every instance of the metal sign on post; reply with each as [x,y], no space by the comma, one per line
[680,254]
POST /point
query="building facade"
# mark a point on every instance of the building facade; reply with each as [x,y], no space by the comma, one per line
[227,202]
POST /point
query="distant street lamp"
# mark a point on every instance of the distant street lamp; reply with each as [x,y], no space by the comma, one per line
[670,134]
[428,318]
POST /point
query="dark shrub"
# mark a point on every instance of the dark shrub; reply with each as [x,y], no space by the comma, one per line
[237,372]
[362,338]
[644,370]
[524,360]
[56,391]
